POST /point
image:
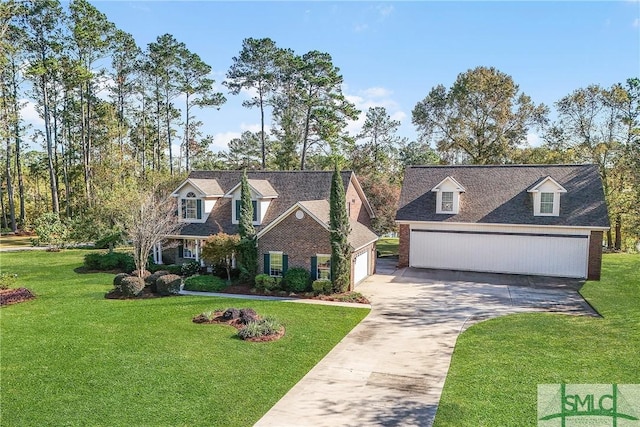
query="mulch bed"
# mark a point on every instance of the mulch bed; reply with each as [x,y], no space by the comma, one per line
[238,324]
[14,296]
[146,293]
[244,289]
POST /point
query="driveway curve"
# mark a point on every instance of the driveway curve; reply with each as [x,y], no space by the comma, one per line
[390,369]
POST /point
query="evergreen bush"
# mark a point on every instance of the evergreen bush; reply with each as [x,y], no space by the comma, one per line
[296,279]
[168,284]
[131,286]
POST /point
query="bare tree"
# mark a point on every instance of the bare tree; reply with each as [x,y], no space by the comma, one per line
[151,219]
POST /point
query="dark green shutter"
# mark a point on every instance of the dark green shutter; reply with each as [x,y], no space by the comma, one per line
[285,263]
[181,250]
[237,210]
[199,209]
[314,267]
[255,210]
[266,264]
[184,208]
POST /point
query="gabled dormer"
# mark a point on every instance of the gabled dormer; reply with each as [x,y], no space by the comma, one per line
[196,199]
[546,197]
[448,196]
[262,193]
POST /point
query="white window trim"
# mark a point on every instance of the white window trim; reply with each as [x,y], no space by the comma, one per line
[192,254]
[537,203]
[271,253]
[234,217]
[455,204]
[318,265]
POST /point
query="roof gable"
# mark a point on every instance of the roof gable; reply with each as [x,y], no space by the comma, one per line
[546,184]
[447,183]
[499,194]
[261,187]
[206,187]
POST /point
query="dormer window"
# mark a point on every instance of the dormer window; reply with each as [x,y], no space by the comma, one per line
[546,197]
[191,207]
[237,211]
[448,196]
[546,203]
[447,201]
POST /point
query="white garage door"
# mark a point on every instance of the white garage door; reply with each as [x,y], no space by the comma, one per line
[562,256]
[361,267]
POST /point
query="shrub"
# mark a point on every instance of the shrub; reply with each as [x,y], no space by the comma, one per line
[296,279]
[221,272]
[151,279]
[322,286]
[117,280]
[168,284]
[261,279]
[204,284]
[7,280]
[265,327]
[174,268]
[190,268]
[205,317]
[109,261]
[131,286]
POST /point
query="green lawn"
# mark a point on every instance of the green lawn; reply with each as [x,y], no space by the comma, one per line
[388,246]
[498,364]
[71,357]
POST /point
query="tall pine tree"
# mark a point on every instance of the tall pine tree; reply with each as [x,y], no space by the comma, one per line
[339,225]
[248,250]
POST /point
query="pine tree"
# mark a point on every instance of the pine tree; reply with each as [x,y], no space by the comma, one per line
[248,255]
[339,225]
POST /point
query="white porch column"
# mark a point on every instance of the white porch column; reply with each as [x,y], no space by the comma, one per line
[159,254]
[199,253]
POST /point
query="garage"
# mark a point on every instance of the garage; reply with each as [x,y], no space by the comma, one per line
[500,252]
[361,267]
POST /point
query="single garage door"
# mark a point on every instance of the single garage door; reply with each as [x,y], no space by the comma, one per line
[361,267]
[519,253]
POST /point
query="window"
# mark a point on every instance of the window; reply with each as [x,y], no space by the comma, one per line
[324,267]
[447,201]
[275,264]
[255,210]
[189,249]
[546,203]
[191,207]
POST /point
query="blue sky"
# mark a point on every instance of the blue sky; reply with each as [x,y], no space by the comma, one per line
[392,53]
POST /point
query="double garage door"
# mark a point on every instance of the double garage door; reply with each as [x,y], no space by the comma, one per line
[517,253]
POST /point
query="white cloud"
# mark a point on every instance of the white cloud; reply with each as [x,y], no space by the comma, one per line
[399,116]
[372,97]
[252,127]
[534,139]
[29,113]
[221,140]
[636,23]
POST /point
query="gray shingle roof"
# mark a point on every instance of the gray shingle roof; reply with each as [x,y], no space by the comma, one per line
[498,194]
[209,186]
[290,186]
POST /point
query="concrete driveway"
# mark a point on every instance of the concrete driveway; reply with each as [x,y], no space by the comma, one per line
[390,369]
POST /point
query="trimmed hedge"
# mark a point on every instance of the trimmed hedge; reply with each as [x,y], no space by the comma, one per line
[151,279]
[109,261]
[168,284]
[131,286]
[297,279]
[322,286]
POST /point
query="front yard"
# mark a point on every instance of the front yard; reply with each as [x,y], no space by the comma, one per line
[498,364]
[72,357]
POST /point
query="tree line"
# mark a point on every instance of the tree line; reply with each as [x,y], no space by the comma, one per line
[119,117]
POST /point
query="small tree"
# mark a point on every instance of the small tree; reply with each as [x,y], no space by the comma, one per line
[148,222]
[51,230]
[247,250]
[219,249]
[340,229]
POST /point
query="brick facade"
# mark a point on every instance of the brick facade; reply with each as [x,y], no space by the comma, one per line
[405,244]
[595,256]
[300,239]
[357,209]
